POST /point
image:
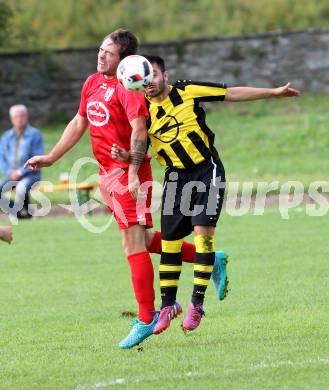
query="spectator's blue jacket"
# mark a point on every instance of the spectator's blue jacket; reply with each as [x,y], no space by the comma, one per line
[31,144]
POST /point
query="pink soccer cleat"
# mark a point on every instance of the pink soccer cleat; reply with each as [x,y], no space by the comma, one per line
[167,314]
[193,317]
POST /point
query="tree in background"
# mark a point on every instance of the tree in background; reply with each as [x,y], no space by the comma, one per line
[5,16]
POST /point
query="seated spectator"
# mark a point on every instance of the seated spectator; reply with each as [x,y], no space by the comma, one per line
[6,234]
[17,145]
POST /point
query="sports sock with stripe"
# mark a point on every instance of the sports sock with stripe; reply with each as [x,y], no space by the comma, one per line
[169,271]
[203,266]
[188,249]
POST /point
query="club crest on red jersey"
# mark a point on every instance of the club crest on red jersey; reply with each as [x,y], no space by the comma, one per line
[97,113]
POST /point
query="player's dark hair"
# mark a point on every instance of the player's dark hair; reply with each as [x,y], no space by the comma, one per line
[126,40]
[157,60]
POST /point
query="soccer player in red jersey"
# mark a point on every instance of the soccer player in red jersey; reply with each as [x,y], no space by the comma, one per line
[117,116]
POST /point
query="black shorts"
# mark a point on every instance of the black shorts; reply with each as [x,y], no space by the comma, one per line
[191,197]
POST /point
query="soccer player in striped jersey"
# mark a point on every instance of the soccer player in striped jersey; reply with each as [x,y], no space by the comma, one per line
[194,180]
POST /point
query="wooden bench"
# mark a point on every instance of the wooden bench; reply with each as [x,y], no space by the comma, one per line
[82,190]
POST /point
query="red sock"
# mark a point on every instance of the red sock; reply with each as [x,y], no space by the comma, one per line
[155,245]
[188,252]
[142,277]
[188,249]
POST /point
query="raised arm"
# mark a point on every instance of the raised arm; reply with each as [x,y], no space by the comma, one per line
[71,135]
[239,94]
[138,145]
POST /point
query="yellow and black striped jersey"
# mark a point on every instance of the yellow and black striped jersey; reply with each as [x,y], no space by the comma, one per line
[177,129]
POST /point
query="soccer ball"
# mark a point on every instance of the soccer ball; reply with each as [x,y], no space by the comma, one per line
[135,73]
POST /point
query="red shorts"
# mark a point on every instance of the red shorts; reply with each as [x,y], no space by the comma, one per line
[126,209]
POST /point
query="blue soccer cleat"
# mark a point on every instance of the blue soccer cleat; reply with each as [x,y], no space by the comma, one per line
[138,333]
[219,274]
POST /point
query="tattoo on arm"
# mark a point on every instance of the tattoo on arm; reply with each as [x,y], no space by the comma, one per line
[137,151]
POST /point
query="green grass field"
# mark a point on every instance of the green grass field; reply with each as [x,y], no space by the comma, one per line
[277,139]
[62,291]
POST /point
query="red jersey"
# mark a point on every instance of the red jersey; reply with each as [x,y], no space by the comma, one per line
[109,108]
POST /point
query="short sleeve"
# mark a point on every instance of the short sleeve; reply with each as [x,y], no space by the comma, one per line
[83,99]
[133,103]
[205,92]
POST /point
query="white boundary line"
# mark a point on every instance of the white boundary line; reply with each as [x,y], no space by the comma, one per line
[252,367]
